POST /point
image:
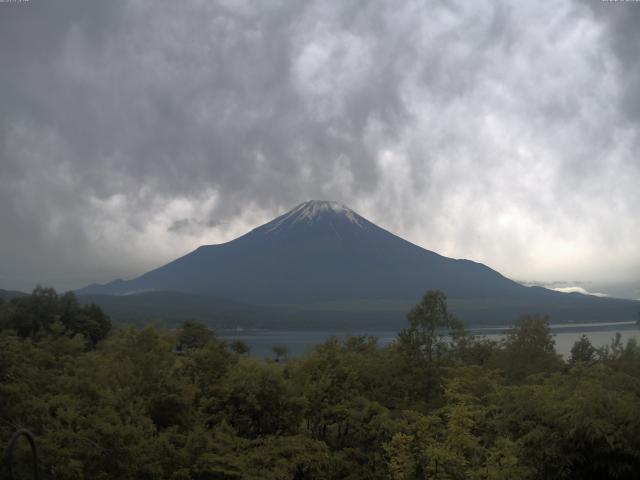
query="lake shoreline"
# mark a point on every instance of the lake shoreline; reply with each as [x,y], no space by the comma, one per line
[299,342]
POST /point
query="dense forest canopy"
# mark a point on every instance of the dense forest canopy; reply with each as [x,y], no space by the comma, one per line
[154,404]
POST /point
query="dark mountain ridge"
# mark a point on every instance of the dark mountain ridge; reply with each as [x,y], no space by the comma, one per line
[10,294]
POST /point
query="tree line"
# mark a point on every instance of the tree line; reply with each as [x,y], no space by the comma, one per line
[438,403]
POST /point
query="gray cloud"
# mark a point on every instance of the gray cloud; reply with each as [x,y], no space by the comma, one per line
[621,20]
[132,132]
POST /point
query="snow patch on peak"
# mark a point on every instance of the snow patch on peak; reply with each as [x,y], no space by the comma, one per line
[314,208]
[311,211]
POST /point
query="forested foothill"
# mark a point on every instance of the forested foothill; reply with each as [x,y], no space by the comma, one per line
[124,403]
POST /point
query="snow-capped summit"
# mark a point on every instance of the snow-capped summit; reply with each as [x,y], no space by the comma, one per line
[314,211]
[314,208]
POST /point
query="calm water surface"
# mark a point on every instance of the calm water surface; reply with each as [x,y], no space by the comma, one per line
[300,341]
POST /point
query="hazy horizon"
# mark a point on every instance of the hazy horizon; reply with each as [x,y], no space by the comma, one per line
[630,290]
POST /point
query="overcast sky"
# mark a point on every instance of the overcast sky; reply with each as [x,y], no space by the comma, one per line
[504,132]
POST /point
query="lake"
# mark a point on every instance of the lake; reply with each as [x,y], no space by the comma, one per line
[301,341]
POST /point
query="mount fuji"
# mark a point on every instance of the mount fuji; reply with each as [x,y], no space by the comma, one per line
[323,260]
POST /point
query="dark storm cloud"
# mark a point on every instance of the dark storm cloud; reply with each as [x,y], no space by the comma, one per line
[621,20]
[131,132]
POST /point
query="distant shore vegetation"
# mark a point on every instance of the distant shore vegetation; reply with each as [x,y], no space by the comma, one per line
[125,403]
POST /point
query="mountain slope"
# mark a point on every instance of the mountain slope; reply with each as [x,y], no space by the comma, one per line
[323,253]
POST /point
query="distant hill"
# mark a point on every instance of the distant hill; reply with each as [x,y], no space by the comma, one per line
[171,308]
[9,294]
[322,262]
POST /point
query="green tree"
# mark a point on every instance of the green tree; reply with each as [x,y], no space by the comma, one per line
[194,335]
[401,457]
[87,320]
[256,400]
[429,323]
[240,347]
[582,351]
[427,344]
[206,367]
[33,313]
[570,425]
[36,314]
[280,351]
[529,348]
[328,381]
